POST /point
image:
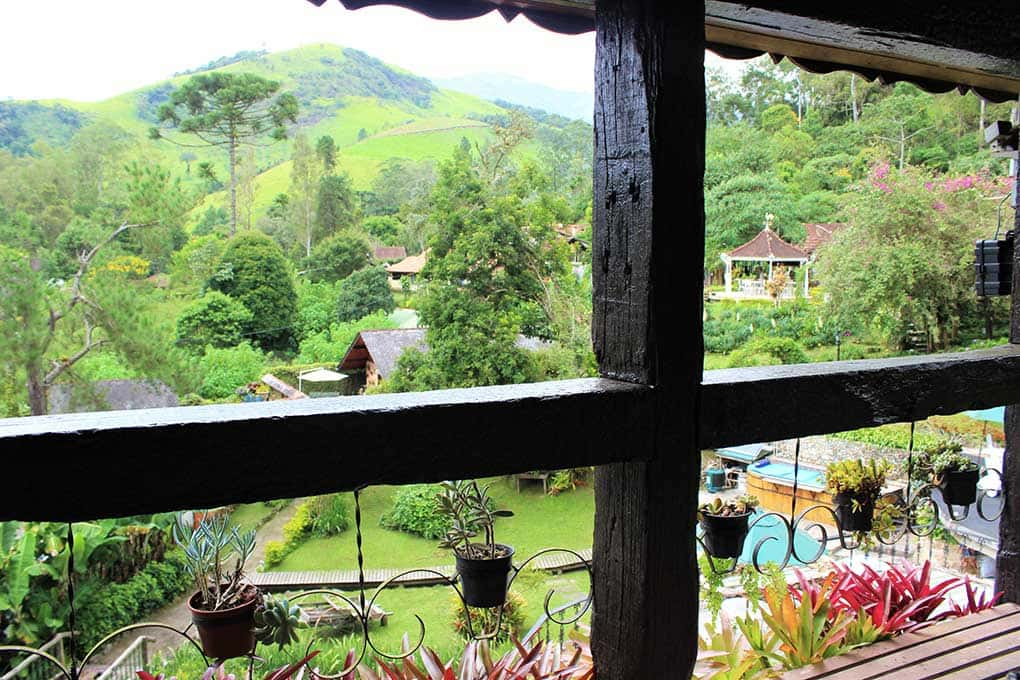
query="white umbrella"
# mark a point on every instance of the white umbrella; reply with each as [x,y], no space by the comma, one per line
[320,375]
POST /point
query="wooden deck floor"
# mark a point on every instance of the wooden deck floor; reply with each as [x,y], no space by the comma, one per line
[348,579]
[976,647]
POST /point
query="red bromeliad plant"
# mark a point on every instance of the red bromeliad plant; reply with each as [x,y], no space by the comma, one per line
[975,604]
[897,601]
[540,661]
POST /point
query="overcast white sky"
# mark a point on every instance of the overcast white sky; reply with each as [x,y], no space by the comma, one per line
[91,50]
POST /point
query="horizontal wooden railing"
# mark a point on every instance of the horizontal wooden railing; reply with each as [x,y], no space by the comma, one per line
[88,465]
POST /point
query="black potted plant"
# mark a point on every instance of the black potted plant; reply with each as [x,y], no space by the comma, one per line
[953,473]
[855,486]
[483,568]
[726,525]
[223,607]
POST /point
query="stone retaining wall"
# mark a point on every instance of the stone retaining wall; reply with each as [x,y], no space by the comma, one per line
[819,451]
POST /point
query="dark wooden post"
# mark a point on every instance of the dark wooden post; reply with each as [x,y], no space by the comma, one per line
[647,262]
[1007,567]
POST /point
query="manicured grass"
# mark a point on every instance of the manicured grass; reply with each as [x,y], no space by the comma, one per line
[250,515]
[540,521]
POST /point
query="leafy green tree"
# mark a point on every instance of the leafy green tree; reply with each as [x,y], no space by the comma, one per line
[254,271]
[905,260]
[59,325]
[194,264]
[470,344]
[385,228]
[229,110]
[224,370]
[214,320]
[316,306]
[735,211]
[327,151]
[212,219]
[400,182]
[302,195]
[363,293]
[332,342]
[336,205]
[337,257]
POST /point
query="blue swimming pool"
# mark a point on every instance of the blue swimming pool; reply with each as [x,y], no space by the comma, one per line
[808,477]
[995,415]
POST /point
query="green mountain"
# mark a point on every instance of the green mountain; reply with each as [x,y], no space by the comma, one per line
[372,110]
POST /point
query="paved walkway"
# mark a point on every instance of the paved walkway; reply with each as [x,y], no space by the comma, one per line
[177,614]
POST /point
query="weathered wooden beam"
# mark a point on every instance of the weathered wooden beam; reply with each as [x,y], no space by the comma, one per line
[956,43]
[1007,565]
[745,405]
[649,163]
[92,465]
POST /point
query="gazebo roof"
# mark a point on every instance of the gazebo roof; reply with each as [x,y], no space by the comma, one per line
[767,245]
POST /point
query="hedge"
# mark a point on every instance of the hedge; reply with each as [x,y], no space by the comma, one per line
[115,605]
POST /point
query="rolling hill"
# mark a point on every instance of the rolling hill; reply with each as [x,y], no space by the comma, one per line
[372,110]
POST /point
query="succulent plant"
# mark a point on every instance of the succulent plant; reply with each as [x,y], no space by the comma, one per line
[277,621]
[731,508]
[470,509]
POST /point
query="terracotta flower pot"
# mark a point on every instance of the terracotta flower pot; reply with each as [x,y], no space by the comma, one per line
[859,520]
[226,633]
[724,536]
[484,581]
[960,487]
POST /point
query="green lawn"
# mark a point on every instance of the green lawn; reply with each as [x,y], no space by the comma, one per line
[250,515]
[540,521]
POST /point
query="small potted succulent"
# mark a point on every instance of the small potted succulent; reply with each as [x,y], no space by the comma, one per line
[855,486]
[277,621]
[954,473]
[726,525]
[483,568]
[223,607]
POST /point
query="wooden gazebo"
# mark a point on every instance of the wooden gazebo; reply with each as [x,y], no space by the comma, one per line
[769,248]
[645,421]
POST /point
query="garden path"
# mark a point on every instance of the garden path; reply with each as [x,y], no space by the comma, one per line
[177,614]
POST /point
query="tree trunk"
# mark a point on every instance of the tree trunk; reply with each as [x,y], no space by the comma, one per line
[36,391]
[853,96]
[233,186]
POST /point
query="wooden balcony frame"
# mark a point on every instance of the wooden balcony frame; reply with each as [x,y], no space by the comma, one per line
[643,423]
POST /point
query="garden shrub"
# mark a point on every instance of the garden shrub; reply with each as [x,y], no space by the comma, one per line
[729,325]
[115,605]
[214,319]
[295,531]
[224,370]
[416,511]
[484,620]
[764,350]
[329,515]
[276,551]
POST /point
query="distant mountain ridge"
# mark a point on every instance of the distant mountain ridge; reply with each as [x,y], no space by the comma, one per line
[492,86]
[374,112]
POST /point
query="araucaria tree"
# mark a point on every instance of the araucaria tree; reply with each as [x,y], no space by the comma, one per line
[229,110]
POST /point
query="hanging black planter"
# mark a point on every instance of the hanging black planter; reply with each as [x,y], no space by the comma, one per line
[851,518]
[724,535]
[484,581]
[959,487]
